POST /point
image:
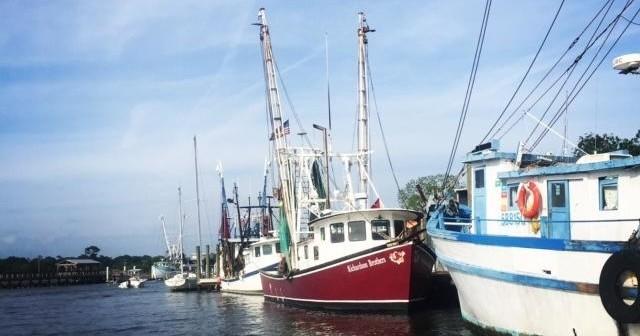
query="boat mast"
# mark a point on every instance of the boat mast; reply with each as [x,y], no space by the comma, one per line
[195,151]
[280,144]
[181,229]
[166,238]
[363,112]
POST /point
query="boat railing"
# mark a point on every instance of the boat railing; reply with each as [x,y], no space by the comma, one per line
[461,224]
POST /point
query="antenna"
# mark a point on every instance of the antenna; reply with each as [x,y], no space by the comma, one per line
[326,55]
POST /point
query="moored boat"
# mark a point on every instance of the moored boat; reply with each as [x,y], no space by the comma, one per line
[338,251]
[134,281]
[360,260]
[163,270]
[240,260]
[552,246]
[182,282]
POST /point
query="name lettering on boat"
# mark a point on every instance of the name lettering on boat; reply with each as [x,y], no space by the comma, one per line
[364,265]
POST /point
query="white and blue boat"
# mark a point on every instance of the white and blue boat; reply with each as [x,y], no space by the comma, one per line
[551,247]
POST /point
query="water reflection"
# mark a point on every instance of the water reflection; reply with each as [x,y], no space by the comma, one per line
[104,310]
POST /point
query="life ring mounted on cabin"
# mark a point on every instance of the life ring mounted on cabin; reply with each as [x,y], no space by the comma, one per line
[529,200]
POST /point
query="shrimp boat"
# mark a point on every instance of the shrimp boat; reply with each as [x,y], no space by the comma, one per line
[166,268]
[550,245]
[256,249]
[337,251]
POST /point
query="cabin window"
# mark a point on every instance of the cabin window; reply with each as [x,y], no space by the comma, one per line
[267,249]
[398,226]
[608,192]
[558,195]
[357,231]
[513,196]
[256,251]
[479,178]
[322,233]
[306,251]
[316,253]
[277,247]
[380,229]
[337,232]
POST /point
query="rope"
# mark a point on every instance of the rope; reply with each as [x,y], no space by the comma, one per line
[533,61]
[384,138]
[546,75]
[469,91]
[573,66]
[560,111]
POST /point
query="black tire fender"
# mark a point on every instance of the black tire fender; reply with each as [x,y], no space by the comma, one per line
[626,260]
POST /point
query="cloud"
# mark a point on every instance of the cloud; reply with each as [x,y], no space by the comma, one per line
[99,102]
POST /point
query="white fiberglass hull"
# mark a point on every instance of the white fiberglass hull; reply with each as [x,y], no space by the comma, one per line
[244,285]
[132,284]
[528,290]
[182,282]
[249,282]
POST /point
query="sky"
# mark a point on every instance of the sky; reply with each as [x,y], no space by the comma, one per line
[100,100]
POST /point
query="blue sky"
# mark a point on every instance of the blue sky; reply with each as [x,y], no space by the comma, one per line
[99,101]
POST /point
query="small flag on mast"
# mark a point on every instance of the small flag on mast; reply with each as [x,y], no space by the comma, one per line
[281,131]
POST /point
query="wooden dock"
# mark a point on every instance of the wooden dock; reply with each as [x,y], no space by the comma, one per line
[25,280]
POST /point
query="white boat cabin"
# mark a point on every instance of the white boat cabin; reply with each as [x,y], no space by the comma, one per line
[593,198]
[264,251]
[341,234]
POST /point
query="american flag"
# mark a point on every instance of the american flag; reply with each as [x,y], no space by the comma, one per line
[280,132]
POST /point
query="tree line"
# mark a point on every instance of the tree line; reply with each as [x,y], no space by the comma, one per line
[47,264]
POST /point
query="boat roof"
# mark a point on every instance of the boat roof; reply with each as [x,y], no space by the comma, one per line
[574,168]
[417,214]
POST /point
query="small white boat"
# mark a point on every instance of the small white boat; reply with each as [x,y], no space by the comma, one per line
[182,282]
[134,281]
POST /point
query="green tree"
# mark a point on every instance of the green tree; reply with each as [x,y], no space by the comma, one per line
[602,143]
[91,251]
[409,198]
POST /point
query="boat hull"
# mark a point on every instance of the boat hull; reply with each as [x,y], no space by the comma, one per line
[163,271]
[182,283]
[387,278]
[249,283]
[507,285]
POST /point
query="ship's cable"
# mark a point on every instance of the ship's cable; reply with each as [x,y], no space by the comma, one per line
[469,91]
[533,61]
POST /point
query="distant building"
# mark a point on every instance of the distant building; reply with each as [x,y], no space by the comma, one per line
[79,265]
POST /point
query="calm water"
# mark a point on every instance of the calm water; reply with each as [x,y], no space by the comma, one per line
[102,309]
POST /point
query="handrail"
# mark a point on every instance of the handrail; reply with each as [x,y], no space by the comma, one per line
[447,220]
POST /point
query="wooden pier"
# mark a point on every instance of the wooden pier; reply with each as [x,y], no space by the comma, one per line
[24,280]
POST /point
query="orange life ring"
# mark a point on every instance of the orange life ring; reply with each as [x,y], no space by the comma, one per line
[529,200]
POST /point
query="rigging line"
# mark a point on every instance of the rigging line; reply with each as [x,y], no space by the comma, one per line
[384,138]
[594,70]
[630,21]
[573,43]
[293,110]
[558,113]
[574,66]
[446,180]
[469,85]
[533,61]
